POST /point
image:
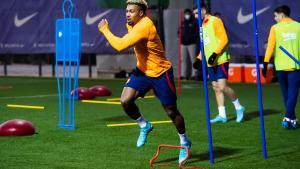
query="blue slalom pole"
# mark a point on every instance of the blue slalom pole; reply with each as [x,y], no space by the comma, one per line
[261,113]
[289,55]
[211,153]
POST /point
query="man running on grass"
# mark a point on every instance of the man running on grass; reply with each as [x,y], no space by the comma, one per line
[153,71]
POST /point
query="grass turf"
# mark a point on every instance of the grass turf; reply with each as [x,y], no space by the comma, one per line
[93,145]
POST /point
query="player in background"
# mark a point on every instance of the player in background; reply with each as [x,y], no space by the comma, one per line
[285,33]
[215,43]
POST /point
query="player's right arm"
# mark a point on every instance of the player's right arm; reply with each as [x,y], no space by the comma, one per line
[138,32]
[271,45]
[269,51]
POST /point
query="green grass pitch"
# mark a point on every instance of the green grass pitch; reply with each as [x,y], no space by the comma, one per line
[93,145]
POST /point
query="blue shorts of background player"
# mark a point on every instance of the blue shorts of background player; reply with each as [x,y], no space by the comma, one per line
[218,72]
[163,86]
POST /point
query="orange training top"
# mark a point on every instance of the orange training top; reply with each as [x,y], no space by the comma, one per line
[148,48]
[220,34]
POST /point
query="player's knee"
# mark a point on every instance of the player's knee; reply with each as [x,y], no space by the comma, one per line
[217,88]
[171,110]
[228,89]
[222,88]
[125,102]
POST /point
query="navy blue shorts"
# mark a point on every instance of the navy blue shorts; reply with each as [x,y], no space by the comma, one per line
[218,72]
[163,86]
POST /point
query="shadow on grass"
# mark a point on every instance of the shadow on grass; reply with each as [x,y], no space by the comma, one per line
[218,152]
[102,121]
[255,114]
[116,118]
[280,154]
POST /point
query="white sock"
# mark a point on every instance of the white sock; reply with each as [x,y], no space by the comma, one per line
[141,122]
[183,138]
[222,111]
[237,104]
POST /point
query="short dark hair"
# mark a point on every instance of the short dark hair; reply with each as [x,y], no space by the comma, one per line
[187,10]
[283,9]
[204,6]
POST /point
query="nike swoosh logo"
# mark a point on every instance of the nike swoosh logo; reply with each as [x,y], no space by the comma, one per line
[242,19]
[91,20]
[20,22]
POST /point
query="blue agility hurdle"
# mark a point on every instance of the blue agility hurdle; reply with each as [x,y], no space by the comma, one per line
[259,88]
[68,52]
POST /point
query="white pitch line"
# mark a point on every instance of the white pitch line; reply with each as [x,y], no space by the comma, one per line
[5,87]
[26,97]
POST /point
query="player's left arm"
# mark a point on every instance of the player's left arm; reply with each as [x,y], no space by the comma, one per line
[138,33]
[221,35]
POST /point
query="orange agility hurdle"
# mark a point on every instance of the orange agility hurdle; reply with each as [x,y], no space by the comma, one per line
[152,160]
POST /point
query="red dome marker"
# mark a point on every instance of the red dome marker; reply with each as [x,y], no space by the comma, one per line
[84,93]
[100,91]
[16,127]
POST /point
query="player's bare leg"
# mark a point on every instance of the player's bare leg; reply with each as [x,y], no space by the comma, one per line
[178,121]
[221,87]
[218,88]
[128,98]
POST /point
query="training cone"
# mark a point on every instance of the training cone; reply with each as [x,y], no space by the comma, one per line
[83,93]
[16,127]
[100,91]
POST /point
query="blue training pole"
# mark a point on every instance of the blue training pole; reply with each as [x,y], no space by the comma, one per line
[289,55]
[211,153]
[261,113]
